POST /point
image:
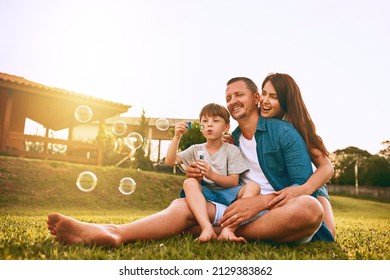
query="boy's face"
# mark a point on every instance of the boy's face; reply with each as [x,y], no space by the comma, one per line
[213,127]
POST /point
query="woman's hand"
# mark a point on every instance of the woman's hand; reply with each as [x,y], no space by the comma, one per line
[284,195]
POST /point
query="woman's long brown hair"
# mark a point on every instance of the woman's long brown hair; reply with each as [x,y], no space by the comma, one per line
[291,101]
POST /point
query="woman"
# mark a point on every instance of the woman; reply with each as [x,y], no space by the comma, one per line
[281,98]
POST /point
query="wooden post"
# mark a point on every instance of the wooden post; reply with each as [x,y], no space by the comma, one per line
[357,177]
[7,121]
[159,150]
[100,145]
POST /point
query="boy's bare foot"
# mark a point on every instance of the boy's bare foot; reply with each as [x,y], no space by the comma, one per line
[69,230]
[227,234]
[207,234]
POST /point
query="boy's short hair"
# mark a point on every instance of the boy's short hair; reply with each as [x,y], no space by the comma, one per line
[215,110]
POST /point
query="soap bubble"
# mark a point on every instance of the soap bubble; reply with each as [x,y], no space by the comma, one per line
[127,186]
[83,113]
[134,140]
[86,181]
[162,124]
[119,127]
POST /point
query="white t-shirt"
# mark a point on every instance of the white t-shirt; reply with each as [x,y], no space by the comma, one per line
[255,173]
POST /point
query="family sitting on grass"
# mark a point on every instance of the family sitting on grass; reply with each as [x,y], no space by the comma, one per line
[261,188]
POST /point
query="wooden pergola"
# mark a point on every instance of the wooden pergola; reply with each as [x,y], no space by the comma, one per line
[54,109]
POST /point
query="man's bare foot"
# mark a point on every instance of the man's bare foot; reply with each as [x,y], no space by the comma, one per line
[227,234]
[207,234]
[69,230]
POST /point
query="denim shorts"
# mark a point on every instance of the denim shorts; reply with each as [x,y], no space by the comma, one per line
[224,196]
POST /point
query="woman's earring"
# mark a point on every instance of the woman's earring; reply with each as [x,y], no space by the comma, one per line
[258,105]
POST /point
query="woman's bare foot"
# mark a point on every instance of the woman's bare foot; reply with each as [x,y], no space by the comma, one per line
[227,234]
[69,230]
[207,234]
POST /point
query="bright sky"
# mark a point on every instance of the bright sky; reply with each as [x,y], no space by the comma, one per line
[171,57]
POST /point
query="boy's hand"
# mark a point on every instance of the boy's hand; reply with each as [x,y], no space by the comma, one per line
[204,168]
[181,128]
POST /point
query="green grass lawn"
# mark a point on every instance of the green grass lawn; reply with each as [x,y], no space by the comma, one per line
[30,189]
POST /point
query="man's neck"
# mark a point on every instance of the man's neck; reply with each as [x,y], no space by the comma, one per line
[248,125]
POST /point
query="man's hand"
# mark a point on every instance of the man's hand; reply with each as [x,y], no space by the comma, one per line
[241,210]
[192,171]
[226,137]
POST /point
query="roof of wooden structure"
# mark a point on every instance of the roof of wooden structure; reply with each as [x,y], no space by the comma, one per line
[53,107]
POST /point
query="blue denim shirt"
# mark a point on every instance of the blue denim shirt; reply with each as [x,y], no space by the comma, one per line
[281,152]
[283,157]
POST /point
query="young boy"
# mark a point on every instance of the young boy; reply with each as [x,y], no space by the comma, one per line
[221,165]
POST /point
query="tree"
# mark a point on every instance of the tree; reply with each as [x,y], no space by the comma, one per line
[114,148]
[107,140]
[373,170]
[344,164]
[353,151]
[386,151]
[142,154]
